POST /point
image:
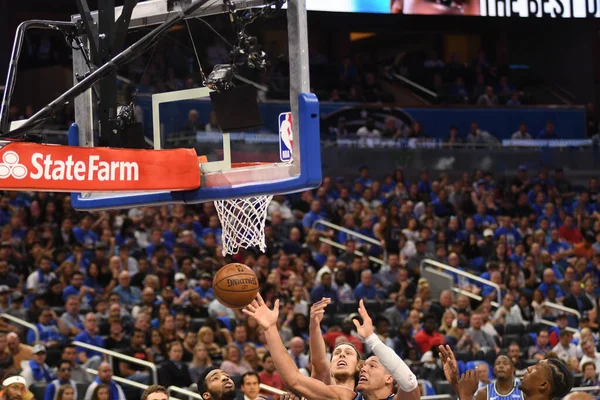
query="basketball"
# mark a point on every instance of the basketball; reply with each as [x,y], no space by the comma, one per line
[235,285]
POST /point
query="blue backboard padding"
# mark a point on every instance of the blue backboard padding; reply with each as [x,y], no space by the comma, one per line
[310,171]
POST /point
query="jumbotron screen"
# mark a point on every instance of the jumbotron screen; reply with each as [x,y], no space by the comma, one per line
[485,8]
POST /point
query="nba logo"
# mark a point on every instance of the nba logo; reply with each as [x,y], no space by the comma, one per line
[286,142]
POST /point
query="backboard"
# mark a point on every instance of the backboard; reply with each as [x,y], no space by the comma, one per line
[223,176]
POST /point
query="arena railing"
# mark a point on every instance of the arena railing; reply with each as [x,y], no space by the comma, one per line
[356,235]
[357,252]
[26,324]
[584,389]
[465,274]
[118,379]
[111,354]
[563,309]
[184,392]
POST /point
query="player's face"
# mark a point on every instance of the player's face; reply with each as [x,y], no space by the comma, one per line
[503,368]
[16,391]
[537,375]
[344,360]
[372,375]
[219,386]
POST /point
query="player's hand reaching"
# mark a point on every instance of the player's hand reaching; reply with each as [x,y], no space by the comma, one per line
[317,310]
[467,385]
[263,315]
[449,363]
[289,396]
[366,329]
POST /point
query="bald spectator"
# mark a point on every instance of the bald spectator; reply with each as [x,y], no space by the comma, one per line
[579,396]
[90,358]
[438,308]
[105,374]
[19,352]
[549,281]
[128,295]
[296,350]
[365,290]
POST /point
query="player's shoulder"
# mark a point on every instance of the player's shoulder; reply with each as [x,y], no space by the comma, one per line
[343,392]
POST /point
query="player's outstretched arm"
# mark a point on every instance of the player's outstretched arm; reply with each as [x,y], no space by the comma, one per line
[451,372]
[407,381]
[318,352]
[309,388]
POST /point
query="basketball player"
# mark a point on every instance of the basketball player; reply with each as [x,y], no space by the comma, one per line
[377,376]
[506,386]
[546,380]
[216,384]
[322,369]
[155,392]
[344,361]
[14,388]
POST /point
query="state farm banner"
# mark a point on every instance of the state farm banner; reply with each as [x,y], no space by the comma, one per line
[38,167]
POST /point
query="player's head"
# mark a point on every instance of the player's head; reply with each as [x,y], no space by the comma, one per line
[550,378]
[345,361]
[504,369]
[215,384]
[155,392]
[374,377]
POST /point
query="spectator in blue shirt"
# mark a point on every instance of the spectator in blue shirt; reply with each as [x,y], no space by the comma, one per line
[556,244]
[482,220]
[424,186]
[84,294]
[50,327]
[363,177]
[204,288]
[551,215]
[156,240]
[313,215]
[365,289]
[84,234]
[128,295]
[90,358]
[325,289]
[507,230]
[548,132]
[550,282]
[214,227]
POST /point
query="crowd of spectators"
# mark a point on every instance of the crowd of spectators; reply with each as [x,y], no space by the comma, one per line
[456,81]
[139,281]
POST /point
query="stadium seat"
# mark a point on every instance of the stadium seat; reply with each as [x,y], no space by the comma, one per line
[38,390]
[373,307]
[443,387]
[465,356]
[347,308]
[500,329]
[517,329]
[509,338]
[81,389]
[197,323]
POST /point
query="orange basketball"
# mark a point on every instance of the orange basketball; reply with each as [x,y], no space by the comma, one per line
[235,285]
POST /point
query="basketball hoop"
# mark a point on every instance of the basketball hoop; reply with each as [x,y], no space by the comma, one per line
[243,222]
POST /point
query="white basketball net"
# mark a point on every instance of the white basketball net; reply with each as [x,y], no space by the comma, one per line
[243,223]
